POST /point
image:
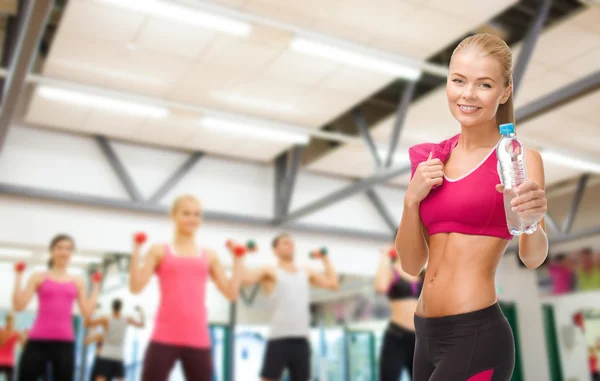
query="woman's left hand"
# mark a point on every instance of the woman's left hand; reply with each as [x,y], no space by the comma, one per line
[531,201]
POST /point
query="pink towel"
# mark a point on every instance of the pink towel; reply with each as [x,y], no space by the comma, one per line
[420,152]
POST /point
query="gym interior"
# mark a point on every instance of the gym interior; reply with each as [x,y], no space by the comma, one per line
[292,117]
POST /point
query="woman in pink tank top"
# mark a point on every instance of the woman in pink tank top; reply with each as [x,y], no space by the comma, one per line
[9,338]
[51,338]
[181,325]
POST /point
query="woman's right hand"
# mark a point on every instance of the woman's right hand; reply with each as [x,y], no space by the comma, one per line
[428,174]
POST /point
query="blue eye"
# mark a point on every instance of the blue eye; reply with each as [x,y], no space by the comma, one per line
[457,80]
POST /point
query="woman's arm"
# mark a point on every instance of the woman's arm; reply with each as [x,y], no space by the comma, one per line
[533,248]
[410,244]
[22,297]
[87,304]
[91,323]
[383,277]
[139,276]
[230,288]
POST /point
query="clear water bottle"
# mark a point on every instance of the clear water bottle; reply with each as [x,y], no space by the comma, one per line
[512,171]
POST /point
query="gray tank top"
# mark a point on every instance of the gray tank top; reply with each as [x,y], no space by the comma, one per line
[112,346]
[289,301]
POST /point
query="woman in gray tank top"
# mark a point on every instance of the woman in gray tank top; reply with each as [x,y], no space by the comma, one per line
[287,286]
[109,361]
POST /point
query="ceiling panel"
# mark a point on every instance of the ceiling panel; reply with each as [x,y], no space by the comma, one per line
[585,64]
[210,141]
[301,69]
[550,81]
[564,43]
[588,19]
[348,80]
[238,55]
[48,112]
[471,10]
[112,123]
[169,37]
[174,131]
[92,18]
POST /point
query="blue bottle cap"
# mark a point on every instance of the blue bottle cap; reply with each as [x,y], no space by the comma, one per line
[507,128]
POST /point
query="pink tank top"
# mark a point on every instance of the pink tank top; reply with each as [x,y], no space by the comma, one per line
[54,320]
[469,204]
[181,318]
[7,350]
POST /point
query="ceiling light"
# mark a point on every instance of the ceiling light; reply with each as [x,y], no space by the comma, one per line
[570,161]
[256,103]
[109,104]
[188,15]
[361,60]
[15,253]
[253,131]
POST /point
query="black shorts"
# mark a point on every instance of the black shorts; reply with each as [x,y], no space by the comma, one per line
[397,352]
[292,354]
[38,353]
[477,344]
[109,368]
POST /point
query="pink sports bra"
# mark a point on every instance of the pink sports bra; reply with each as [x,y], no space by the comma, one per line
[469,204]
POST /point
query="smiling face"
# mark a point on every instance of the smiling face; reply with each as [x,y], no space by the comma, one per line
[186,214]
[479,86]
[476,87]
[61,251]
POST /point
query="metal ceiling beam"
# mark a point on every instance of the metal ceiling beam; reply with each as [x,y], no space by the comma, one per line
[119,168]
[529,43]
[211,7]
[155,209]
[363,129]
[383,210]
[382,176]
[286,170]
[402,110]
[35,14]
[559,97]
[583,180]
[551,223]
[291,174]
[176,177]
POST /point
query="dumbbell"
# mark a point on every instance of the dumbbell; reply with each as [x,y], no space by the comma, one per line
[20,267]
[140,237]
[97,277]
[392,253]
[240,250]
[318,253]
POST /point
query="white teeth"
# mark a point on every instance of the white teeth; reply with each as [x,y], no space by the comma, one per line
[469,108]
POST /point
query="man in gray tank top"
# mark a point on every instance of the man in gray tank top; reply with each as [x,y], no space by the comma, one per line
[109,361]
[287,286]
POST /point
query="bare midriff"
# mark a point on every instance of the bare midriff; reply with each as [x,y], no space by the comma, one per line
[460,275]
[403,313]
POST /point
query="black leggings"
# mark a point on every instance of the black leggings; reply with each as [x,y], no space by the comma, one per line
[475,346]
[397,352]
[38,353]
[7,370]
[160,359]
